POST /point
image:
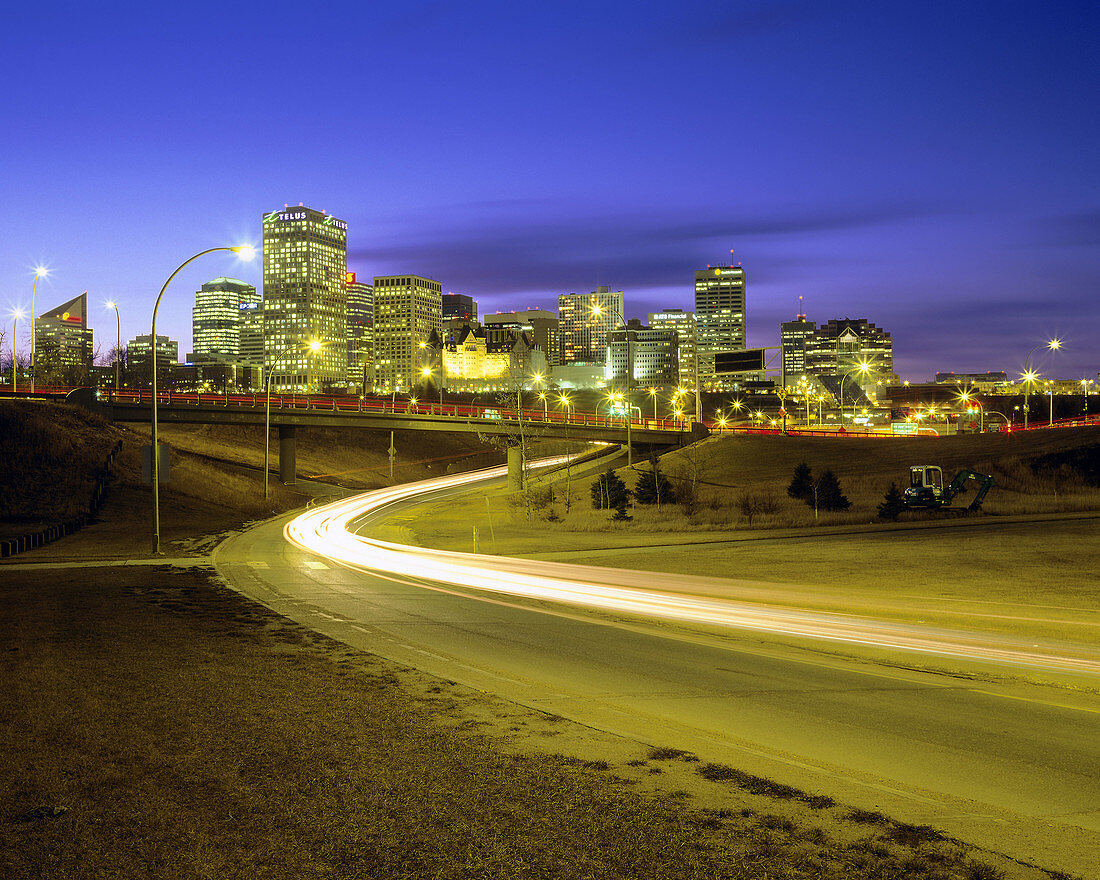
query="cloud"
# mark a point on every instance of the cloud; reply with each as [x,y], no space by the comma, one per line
[1077,229]
[497,248]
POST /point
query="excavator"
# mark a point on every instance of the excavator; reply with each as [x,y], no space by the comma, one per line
[927,491]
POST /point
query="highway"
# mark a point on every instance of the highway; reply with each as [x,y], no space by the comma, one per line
[1010,767]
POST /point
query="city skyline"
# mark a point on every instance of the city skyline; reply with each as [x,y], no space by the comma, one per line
[935,180]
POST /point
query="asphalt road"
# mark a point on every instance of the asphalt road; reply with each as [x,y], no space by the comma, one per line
[1015,769]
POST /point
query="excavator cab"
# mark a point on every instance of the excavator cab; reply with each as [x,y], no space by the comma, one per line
[925,486]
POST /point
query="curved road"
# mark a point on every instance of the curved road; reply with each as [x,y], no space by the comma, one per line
[1015,769]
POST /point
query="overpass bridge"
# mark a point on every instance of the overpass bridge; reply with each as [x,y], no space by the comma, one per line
[291,411]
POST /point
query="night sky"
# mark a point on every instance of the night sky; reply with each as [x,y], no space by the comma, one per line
[931,167]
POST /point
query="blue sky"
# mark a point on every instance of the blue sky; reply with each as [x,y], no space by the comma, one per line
[931,167]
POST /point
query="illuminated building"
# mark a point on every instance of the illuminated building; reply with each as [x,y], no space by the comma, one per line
[305,262]
[539,324]
[251,323]
[139,352]
[719,321]
[642,358]
[584,320]
[492,360]
[684,325]
[216,319]
[837,346]
[458,305]
[62,335]
[360,332]
[408,309]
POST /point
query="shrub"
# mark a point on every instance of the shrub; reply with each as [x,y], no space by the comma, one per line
[828,495]
[891,505]
[752,503]
[609,492]
[653,487]
[802,483]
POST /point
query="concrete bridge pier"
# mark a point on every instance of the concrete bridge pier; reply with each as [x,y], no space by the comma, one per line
[515,468]
[287,464]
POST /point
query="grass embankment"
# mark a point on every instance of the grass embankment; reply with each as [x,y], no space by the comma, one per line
[52,451]
[156,725]
[989,574]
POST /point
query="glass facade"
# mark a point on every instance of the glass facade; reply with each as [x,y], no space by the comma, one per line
[408,309]
[305,264]
[720,320]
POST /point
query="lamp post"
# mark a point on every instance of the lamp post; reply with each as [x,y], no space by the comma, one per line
[16,314]
[1085,396]
[1029,377]
[314,346]
[118,341]
[864,367]
[653,394]
[245,252]
[40,272]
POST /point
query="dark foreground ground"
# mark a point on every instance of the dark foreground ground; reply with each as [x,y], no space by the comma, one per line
[155,724]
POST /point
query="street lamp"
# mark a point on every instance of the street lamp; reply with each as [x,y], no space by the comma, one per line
[245,252]
[1029,377]
[16,314]
[564,400]
[40,272]
[314,346]
[863,367]
[110,304]
[653,394]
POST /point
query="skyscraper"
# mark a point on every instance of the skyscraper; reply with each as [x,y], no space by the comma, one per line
[305,263]
[720,320]
[216,319]
[360,332]
[63,343]
[459,305]
[408,309]
[584,321]
[684,325]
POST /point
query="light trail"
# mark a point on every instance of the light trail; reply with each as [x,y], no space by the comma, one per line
[330,531]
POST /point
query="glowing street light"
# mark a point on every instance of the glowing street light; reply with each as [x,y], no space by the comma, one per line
[40,272]
[110,304]
[1029,376]
[244,252]
[863,368]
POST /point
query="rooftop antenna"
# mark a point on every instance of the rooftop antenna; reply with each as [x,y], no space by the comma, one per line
[801,315]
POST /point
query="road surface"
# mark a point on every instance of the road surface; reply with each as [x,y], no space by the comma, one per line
[1012,768]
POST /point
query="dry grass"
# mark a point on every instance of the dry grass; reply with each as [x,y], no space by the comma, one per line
[155,725]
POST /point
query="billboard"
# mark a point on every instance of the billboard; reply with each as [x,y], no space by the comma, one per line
[749,360]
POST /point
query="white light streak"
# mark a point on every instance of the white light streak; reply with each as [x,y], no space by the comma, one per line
[328,532]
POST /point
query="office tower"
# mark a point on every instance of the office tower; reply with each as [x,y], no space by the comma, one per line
[408,309]
[541,325]
[684,325]
[584,321]
[458,305]
[62,337]
[642,357]
[251,324]
[139,352]
[216,319]
[305,261]
[360,332]
[839,345]
[719,320]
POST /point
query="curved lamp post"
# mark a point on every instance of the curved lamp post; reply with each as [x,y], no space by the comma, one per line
[118,340]
[1029,377]
[245,252]
[864,367]
[313,346]
[40,272]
